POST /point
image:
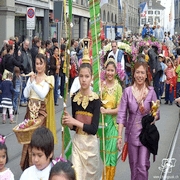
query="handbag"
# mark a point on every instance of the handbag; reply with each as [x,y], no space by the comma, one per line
[124,152]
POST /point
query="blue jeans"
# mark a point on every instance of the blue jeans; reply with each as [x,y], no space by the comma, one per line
[56,85]
[169,96]
[16,100]
[24,81]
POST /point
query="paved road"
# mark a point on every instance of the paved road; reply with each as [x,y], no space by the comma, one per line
[167,127]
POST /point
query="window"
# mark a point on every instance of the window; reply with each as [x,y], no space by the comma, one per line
[104,15]
[157,12]
[150,12]
[157,19]
[143,21]
[150,20]
[108,18]
[112,17]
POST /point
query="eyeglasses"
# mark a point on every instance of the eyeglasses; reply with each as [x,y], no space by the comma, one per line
[113,46]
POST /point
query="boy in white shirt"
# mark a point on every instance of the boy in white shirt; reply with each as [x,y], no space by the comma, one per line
[42,144]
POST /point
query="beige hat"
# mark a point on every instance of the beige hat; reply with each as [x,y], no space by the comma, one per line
[161,55]
[12,38]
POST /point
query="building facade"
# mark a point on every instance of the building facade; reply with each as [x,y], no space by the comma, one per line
[13,19]
[154,14]
[177,16]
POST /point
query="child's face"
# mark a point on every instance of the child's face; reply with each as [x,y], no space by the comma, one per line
[2,159]
[169,64]
[39,159]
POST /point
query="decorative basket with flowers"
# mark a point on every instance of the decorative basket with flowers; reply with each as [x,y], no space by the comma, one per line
[25,130]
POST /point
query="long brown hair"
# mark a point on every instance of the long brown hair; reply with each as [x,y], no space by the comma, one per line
[136,66]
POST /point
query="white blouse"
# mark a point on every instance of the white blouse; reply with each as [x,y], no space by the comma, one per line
[36,91]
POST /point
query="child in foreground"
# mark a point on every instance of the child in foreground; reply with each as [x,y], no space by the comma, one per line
[5,173]
[62,171]
[42,144]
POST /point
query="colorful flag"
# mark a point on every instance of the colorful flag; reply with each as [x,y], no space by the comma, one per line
[143,9]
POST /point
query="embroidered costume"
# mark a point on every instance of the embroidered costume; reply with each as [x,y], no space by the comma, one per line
[110,99]
[41,106]
[85,150]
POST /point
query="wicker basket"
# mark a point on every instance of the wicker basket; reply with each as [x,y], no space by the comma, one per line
[24,135]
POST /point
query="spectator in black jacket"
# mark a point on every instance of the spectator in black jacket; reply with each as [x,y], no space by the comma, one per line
[9,61]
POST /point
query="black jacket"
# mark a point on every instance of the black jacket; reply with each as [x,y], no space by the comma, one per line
[34,52]
[149,135]
[9,62]
[154,62]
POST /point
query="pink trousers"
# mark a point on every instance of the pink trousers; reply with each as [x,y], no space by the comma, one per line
[139,162]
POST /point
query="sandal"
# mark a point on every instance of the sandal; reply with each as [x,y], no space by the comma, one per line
[12,122]
[3,122]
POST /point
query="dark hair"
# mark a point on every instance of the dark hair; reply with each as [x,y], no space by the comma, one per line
[48,42]
[136,66]
[86,65]
[63,168]
[54,40]
[43,140]
[55,47]
[9,47]
[3,146]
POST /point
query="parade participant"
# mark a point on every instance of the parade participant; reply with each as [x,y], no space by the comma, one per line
[136,103]
[7,91]
[62,171]
[111,95]
[117,54]
[170,82]
[39,90]
[42,144]
[5,173]
[85,121]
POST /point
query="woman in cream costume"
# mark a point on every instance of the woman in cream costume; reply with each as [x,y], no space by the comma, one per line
[39,90]
[111,95]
